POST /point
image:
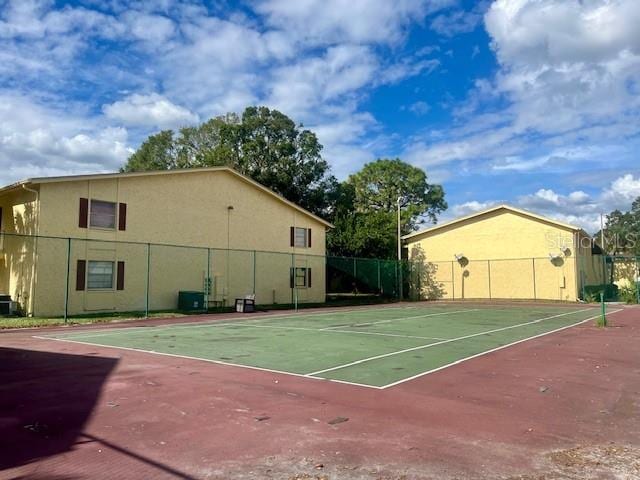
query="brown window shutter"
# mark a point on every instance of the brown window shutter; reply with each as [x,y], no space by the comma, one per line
[309,237]
[293,236]
[292,277]
[83,221]
[81,273]
[120,277]
[122,217]
[308,277]
[0,219]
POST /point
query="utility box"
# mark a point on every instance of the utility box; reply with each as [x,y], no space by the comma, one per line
[246,305]
[7,307]
[189,301]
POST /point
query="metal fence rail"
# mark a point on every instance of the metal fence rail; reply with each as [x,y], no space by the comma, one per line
[53,276]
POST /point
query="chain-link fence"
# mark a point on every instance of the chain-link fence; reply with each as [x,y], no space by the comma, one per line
[50,276]
[621,274]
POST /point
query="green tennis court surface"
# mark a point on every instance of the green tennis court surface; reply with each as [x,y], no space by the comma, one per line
[374,347]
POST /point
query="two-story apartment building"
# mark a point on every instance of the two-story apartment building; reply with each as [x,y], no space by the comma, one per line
[130,241]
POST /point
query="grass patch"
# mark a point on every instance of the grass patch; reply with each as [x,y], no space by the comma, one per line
[33,322]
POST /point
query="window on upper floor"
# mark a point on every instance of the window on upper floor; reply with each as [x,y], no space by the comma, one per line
[102,214]
[300,237]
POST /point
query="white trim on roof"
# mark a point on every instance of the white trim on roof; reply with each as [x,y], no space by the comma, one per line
[508,208]
[107,176]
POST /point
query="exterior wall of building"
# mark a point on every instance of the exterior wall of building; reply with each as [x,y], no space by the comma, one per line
[18,254]
[186,209]
[506,255]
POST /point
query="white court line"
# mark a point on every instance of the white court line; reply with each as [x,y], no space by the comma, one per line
[324,330]
[220,323]
[420,347]
[219,362]
[493,350]
[400,318]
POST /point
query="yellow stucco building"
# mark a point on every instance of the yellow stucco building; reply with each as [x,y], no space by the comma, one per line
[505,252]
[130,241]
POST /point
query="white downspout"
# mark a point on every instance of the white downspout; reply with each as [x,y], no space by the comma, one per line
[35,249]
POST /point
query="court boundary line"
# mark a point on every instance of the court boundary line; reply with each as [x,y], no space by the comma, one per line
[450,340]
[218,362]
[323,330]
[121,326]
[457,362]
[389,320]
[239,323]
[345,382]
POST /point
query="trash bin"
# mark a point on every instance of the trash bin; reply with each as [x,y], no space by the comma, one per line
[245,305]
[189,301]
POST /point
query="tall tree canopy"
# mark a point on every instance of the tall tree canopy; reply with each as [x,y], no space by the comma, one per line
[622,231]
[365,208]
[263,144]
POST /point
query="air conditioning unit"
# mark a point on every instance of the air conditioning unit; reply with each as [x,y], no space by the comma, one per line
[8,307]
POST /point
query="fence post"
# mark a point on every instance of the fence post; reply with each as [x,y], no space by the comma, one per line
[208,280]
[146,308]
[535,293]
[379,279]
[66,291]
[489,276]
[453,283]
[355,272]
[254,274]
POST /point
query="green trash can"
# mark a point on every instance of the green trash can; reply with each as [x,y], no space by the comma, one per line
[189,301]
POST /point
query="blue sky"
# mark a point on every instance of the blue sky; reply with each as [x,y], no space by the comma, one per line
[530,102]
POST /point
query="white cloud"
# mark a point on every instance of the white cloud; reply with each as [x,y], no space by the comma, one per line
[575,208]
[580,208]
[347,21]
[568,75]
[458,21]
[566,64]
[36,140]
[151,110]
[467,208]
[622,192]
[420,108]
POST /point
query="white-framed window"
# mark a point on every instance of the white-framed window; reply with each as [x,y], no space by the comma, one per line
[102,214]
[301,238]
[100,275]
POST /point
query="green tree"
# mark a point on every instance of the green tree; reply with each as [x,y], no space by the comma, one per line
[158,152]
[263,144]
[365,208]
[379,185]
[622,231]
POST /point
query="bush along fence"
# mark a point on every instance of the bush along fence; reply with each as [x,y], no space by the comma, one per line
[621,283]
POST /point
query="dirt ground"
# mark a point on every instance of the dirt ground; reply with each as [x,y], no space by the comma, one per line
[562,406]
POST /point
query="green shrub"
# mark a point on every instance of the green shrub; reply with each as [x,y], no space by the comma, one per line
[591,298]
[610,291]
[628,294]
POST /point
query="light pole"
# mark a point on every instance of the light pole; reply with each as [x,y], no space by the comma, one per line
[399,249]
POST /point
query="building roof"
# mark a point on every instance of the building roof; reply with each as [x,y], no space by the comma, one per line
[504,207]
[106,176]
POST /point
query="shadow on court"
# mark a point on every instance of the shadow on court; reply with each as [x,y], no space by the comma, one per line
[45,400]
